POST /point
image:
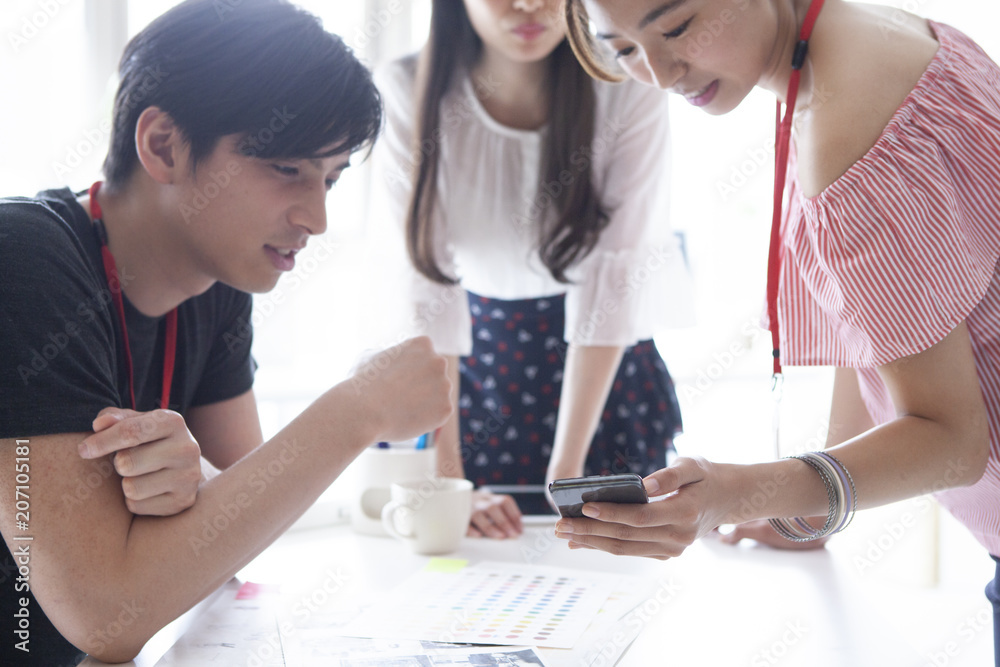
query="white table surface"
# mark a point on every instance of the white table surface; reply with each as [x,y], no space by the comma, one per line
[748,605]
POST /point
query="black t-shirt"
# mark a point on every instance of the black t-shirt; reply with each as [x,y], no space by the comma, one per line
[62,357]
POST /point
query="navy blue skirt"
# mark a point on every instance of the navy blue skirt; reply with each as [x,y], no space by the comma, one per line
[509,398]
[993,595]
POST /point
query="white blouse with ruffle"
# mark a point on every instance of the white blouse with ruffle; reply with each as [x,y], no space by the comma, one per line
[631,285]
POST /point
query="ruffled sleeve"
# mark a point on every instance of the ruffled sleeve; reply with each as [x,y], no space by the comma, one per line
[903,247]
[419,305]
[635,282]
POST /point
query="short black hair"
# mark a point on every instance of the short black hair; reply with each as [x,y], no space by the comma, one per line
[262,69]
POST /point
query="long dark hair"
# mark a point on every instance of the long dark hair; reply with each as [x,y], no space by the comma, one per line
[453,45]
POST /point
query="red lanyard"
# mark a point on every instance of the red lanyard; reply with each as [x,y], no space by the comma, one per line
[115,287]
[783,136]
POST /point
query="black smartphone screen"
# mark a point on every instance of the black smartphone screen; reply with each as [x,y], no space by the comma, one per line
[571,494]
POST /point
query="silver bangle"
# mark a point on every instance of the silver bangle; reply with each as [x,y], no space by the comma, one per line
[840,492]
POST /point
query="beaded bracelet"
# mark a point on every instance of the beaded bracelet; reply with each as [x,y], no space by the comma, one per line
[840,492]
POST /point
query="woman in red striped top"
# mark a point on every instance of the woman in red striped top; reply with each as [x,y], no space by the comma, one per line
[888,251]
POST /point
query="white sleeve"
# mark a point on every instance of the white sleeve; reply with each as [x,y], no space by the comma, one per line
[635,282]
[420,306]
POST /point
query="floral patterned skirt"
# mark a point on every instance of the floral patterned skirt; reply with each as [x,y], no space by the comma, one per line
[509,398]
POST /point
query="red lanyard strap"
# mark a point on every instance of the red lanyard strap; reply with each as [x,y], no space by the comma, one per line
[115,287]
[783,136]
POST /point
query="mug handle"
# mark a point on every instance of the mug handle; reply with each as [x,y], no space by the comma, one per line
[389,520]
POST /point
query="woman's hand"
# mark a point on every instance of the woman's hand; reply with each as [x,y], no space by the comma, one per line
[761,531]
[698,496]
[494,515]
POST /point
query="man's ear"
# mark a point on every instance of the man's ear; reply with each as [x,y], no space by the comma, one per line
[162,149]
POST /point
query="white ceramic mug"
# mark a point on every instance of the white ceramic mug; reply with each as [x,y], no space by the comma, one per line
[374,471]
[431,515]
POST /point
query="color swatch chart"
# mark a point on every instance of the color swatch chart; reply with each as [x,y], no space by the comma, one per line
[489,603]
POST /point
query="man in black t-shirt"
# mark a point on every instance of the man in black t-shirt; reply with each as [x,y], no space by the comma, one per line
[125,367]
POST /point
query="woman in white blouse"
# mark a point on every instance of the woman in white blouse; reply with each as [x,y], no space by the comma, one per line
[533,206]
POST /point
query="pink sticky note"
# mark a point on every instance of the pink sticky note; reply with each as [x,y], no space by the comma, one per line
[251,591]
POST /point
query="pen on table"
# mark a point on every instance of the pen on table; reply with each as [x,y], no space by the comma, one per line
[383,445]
[426,441]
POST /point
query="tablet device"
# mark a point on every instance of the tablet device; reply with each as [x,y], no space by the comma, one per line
[530,499]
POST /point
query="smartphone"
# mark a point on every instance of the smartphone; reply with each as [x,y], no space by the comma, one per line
[570,494]
[530,498]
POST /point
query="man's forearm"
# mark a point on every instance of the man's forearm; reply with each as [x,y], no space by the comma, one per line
[164,565]
[238,513]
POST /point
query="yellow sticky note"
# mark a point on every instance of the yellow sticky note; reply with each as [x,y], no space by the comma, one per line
[448,565]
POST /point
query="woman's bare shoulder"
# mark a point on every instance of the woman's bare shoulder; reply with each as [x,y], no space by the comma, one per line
[865,63]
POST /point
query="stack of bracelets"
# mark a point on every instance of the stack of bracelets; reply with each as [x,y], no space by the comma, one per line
[840,491]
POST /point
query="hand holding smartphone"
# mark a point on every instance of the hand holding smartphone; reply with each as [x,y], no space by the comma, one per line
[570,494]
